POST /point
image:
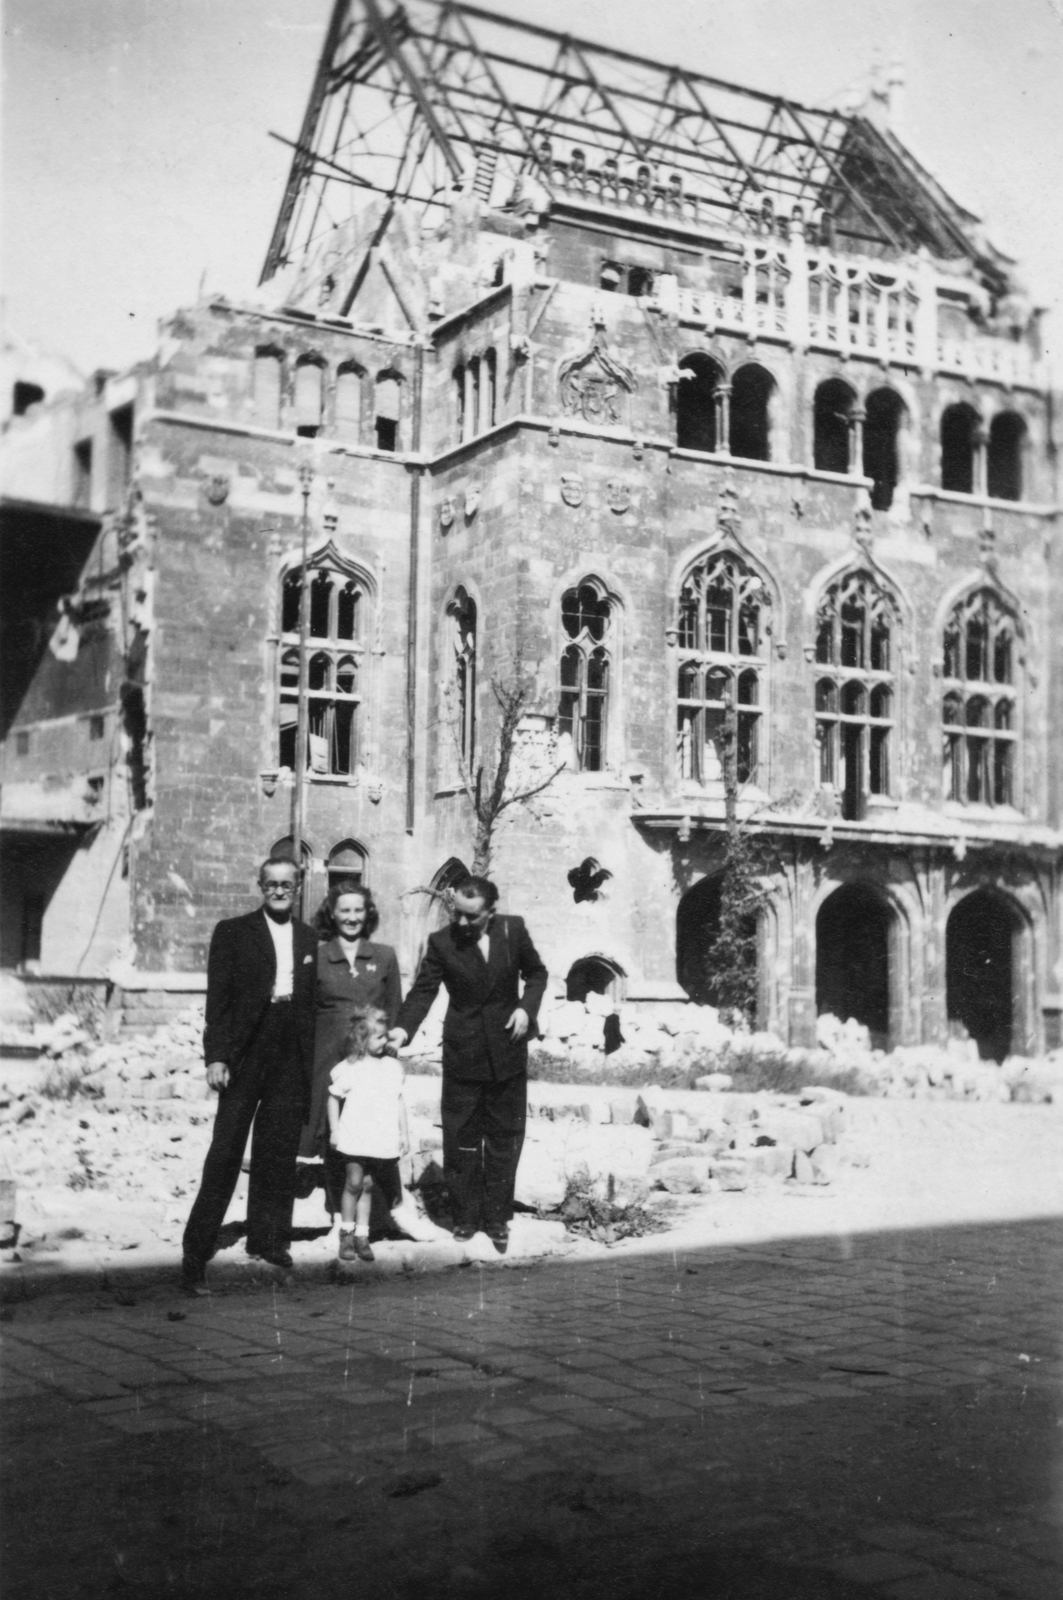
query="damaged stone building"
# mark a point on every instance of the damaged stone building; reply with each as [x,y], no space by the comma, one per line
[694,405]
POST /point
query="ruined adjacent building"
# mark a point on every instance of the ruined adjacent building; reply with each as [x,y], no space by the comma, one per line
[704,408]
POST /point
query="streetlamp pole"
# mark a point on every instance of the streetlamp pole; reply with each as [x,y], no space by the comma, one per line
[302,726]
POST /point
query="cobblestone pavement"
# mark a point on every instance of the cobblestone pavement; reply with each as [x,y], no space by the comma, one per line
[871,1416]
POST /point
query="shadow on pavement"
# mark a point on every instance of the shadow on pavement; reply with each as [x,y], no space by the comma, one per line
[801,1419]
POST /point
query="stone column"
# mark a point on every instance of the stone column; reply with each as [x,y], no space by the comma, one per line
[856,441]
[722,398]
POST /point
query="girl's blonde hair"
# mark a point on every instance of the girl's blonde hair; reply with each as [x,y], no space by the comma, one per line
[362,1020]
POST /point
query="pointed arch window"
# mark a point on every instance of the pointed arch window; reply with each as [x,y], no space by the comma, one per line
[309,396]
[388,403]
[349,380]
[583,708]
[834,419]
[980,710]
[462,617]
[337,606]
[267,384]
[855,691]
[699,401]
[723,659]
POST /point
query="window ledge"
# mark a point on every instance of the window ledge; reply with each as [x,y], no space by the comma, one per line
[930,491]
[976,811]
[336,779]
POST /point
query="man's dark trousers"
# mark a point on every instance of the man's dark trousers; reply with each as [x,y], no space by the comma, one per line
[483,1135]
[271,1089]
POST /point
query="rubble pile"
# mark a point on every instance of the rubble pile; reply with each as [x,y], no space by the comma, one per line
[683,1045]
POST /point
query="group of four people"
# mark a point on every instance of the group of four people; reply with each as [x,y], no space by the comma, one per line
[295,1044]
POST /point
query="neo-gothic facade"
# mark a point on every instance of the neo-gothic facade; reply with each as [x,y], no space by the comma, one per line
[679,472]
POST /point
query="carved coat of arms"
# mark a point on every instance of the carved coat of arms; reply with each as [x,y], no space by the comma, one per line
[472,499]
[618,496]
[593,385]
[446,514]
[218,489]
[572,489]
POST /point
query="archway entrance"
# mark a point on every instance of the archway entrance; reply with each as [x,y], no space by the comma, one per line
[853,932]
[981,971]
[697,923]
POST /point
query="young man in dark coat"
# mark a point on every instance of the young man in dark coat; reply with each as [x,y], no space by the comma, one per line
[259,1048]
[480,959]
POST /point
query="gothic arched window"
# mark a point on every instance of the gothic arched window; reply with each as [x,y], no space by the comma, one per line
[855,693]
[980,710]
[583,709]
[832,426]
[336,625]
[721,668]
[697,404]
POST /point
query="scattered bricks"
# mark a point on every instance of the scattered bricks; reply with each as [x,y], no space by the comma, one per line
[787,1126]
[774,1160]
[648,1108]
[826,1163]
[731,1172]
[803,1169]
[714,1082]
[595,1112]
[621,1112]
[676,1147]
[681,1175]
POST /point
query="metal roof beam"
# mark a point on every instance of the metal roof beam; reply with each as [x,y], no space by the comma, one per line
[381,26]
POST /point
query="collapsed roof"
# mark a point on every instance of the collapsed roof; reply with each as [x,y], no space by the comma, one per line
[419,100]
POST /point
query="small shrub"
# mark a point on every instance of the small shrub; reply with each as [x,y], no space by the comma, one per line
[603,1218]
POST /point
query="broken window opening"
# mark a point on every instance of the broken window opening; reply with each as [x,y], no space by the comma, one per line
[120,455]
[24,395]
[267,385]
[309,396]
[697,403]
[611,277]
[82,494]
[349,381]
[749,432]
[1007,434]
[854,703]
[461,614]
[334,671]
[583,706]
[882,424]
[388,403]
[980,706]
[720,635]
[832,426]
[959,431]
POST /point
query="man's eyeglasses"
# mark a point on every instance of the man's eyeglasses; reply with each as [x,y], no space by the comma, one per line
[272,886]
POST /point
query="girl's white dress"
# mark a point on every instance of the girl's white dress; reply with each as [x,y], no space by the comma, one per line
[371,1091]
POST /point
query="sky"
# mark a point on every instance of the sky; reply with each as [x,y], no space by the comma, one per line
[137,166]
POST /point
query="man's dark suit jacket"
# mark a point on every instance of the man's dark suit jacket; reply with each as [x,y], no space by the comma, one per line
[240,971]
[483,997]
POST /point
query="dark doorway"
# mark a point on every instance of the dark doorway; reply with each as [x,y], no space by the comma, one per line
[853,960]
[695,406]
[32,866]
[958,425]
[980,943]
[697,923]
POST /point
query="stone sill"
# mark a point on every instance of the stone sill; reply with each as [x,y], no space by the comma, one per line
[929,491]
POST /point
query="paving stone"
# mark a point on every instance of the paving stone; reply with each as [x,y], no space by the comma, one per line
[647,1406]
[880,1566]
[545,1430]
[454,1433]
[145,1422]
[941,1586]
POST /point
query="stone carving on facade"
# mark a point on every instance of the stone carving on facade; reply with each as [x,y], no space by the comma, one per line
[618,496]
[862,529]
[572,489]
[446,514]
[218,489]
[472,499]
[593,384]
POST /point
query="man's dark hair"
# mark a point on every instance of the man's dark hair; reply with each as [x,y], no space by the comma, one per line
[483,888]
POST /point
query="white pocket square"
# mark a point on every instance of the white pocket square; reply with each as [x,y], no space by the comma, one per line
[306,959]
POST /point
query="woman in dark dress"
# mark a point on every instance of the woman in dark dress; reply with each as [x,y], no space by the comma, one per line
[350,972]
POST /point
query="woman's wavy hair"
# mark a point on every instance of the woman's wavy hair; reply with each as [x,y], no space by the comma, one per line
[324,920]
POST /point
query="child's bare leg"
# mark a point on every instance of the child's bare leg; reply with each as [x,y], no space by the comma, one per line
[363,1207]
[352,1193]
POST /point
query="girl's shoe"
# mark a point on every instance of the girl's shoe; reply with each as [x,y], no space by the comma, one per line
[348,1245]
[363,1249]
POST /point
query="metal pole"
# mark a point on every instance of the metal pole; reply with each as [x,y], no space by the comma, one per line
[306,478]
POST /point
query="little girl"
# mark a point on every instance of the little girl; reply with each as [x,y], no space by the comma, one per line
[367,1127]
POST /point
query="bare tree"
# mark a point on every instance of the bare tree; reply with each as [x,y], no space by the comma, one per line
[517,770]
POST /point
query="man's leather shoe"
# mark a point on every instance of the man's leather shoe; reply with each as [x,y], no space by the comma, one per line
[464,1232]
[278,1258]
[499,1237]
[194,1277]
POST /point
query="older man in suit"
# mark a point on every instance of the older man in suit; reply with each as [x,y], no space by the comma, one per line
[259,1048]
[480,960]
